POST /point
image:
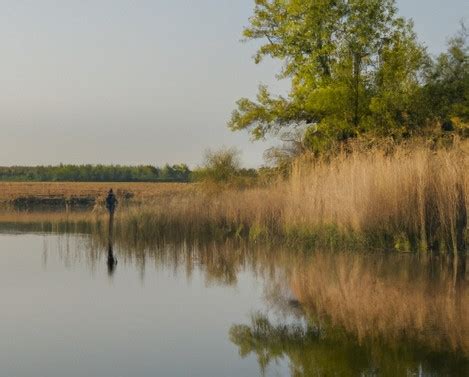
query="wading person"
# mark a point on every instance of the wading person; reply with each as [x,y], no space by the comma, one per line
[111,204]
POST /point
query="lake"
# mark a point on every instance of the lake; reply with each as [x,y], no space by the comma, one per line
[224,309]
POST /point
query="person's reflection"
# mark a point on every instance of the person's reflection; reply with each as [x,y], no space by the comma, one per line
[111,261]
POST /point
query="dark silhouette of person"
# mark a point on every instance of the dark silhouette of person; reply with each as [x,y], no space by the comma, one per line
[111,202]
[111,261]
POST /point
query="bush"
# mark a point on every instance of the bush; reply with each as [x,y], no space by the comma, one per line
[223,168]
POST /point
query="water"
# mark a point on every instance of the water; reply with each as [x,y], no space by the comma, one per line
[188,310]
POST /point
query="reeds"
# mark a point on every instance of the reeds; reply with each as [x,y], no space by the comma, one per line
[409,200]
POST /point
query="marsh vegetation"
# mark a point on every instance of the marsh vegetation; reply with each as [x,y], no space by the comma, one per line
[345,255]
[407,200]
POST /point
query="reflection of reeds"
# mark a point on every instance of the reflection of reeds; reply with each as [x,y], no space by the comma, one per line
[401,299]
[219,262]
[388,298]
[55,222]
[43,217]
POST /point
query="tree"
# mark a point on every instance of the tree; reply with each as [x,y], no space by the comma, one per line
[220,166]
[447,88]
[353,64]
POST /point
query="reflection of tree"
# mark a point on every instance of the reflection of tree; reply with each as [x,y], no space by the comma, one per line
[399,301]
[313,350]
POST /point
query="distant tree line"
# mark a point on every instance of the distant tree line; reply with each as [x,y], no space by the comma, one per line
[97,173]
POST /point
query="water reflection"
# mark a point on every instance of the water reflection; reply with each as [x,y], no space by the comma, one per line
[324,313]
[111,261]
[316,349]
[353,314]
[393,297]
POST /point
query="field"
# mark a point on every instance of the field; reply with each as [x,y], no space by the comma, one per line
[414,199]
[37,192]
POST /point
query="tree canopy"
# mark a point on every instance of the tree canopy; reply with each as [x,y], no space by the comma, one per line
[355,66]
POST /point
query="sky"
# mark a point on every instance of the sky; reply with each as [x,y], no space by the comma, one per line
[142,81]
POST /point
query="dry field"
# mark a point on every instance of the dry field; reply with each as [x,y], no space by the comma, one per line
[141,192]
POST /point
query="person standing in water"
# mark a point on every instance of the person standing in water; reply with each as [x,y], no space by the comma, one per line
[111,205]
[111,202]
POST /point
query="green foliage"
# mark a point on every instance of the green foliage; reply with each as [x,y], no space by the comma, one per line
[96,173]
[447,88]
[355,68]
[223,166]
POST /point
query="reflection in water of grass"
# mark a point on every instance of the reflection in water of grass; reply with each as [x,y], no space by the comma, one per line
[52,222]
[391,297]
[358,313]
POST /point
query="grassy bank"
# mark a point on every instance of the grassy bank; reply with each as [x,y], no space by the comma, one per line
[409,200]
[413,199]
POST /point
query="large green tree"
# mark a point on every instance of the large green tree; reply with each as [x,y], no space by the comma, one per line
[353,64]
[447,85]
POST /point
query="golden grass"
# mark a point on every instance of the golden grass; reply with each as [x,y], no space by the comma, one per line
[10,191]
[416,196]
[410,199]
[388,298]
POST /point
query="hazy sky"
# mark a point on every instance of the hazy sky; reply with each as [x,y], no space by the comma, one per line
[140,81]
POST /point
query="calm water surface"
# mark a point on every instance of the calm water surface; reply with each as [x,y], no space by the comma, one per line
[180,310]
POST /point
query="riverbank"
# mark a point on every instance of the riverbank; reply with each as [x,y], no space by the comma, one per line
[409,200]
[413,199]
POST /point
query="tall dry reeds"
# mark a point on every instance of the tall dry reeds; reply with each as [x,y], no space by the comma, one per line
[410,199]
